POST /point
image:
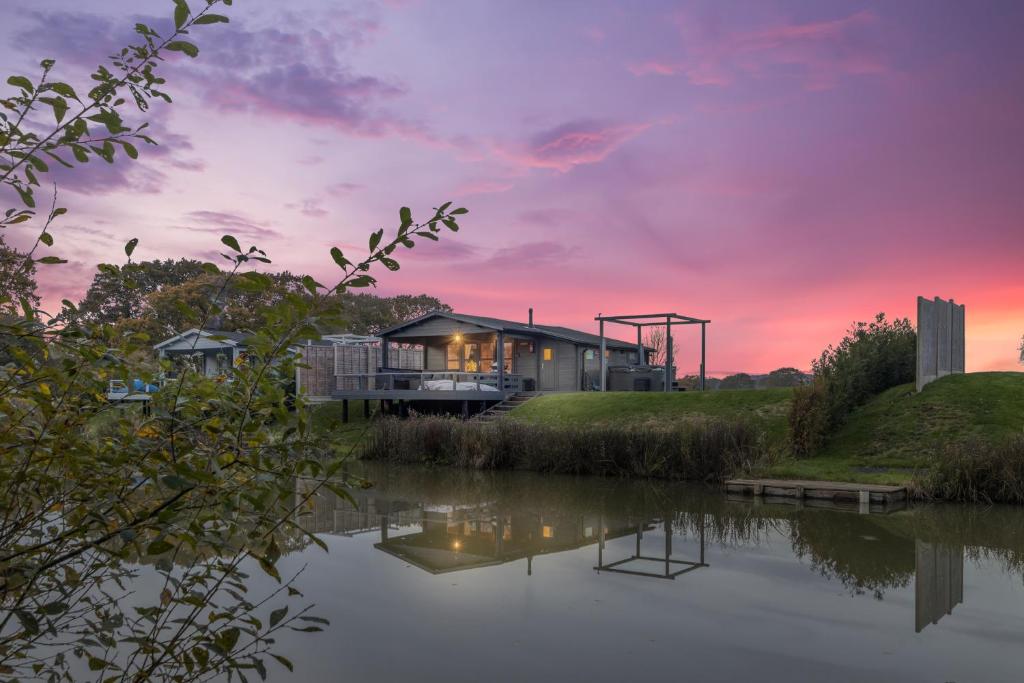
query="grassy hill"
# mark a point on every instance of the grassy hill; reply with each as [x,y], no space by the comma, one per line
[900,430]
[766,408]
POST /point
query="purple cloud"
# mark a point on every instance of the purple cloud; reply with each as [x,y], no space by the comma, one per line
[221,221]
[572,144]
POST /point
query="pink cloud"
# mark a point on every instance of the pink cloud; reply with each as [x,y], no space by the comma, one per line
[343,189]
[572,144]
[821,53]
[483,187]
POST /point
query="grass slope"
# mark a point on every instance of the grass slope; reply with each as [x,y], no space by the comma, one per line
[900,431]
[765,408]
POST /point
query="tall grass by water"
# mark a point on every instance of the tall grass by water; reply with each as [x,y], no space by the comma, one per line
[978,471]
[694,450]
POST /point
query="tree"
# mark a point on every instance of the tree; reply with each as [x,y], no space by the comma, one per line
[17,279]
[785,377]
[656,339]
[740,380]
[116,295]
[369,314]
[871,358]
[194,488]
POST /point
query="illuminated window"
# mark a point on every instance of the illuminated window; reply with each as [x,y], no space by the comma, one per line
[548,531]
[588,531]
[549,353]
[588,354]
[453,356]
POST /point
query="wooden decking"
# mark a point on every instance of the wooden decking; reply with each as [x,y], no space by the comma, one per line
[818,490]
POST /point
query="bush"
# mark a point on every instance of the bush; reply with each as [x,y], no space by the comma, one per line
[978,472]
[871,358]
[709,450]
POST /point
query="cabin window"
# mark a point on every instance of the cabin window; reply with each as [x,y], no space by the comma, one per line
[588,354]
[607,353]
[472,356]
[549,353]
[548,531]
[487,357]
[633,357]
[453,357]
[507,358]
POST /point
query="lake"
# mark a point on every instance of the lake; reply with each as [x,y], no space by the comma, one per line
[442,575]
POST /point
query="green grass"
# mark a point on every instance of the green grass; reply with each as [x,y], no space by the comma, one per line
[766,408]
[901,431]
[326,424]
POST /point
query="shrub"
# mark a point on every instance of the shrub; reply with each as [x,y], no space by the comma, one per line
[871,358]
[978,472]
[709,450]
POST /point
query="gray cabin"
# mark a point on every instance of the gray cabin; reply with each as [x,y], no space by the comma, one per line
[514,356]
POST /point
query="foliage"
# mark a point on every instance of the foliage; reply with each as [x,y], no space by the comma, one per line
[699,450]
[368,314]
[785,377]
[162,298]
[121,294]
[17,279]
[871,358]
[740,380]
[200,486]
[978,471]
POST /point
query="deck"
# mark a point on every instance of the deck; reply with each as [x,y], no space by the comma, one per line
[427,385]
[818,490]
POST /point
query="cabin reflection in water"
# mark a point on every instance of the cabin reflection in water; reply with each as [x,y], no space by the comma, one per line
[439,528]
[445,538]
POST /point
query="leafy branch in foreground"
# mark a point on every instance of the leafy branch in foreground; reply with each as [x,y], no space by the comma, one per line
[200,488]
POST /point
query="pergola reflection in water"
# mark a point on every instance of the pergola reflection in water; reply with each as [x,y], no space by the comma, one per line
[669,567]
[867,553]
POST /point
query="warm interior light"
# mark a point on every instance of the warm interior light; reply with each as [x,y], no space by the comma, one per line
[458,338]
[456,545]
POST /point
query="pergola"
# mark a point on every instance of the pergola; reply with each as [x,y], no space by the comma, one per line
[651,320]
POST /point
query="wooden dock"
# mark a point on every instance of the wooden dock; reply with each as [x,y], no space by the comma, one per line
[835,491]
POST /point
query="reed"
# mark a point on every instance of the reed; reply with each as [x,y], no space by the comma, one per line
[977,471]
[694,450]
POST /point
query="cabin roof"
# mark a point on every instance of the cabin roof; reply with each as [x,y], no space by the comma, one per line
[513,327]
[229,338]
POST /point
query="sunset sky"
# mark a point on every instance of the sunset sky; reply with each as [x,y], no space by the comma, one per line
[782,168]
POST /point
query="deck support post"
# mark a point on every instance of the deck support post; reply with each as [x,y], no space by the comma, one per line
[604,360]
[344,411]
[668,354]
[366,409]
[499,355]
[703,328]
[465,410]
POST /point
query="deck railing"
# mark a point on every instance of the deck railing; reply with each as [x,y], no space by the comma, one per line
[428,380]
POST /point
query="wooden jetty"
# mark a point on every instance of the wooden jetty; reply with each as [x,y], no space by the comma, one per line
[836,491]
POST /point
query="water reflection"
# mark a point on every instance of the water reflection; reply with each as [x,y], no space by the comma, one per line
[451,521]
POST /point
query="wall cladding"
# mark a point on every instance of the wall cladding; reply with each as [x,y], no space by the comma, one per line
[940,339]
[327,362]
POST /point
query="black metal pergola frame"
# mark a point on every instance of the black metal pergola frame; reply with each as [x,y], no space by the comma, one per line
[651,320]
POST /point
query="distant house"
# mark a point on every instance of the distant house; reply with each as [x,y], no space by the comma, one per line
[211,352]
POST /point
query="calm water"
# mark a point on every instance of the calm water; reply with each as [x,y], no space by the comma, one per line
[459,576]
